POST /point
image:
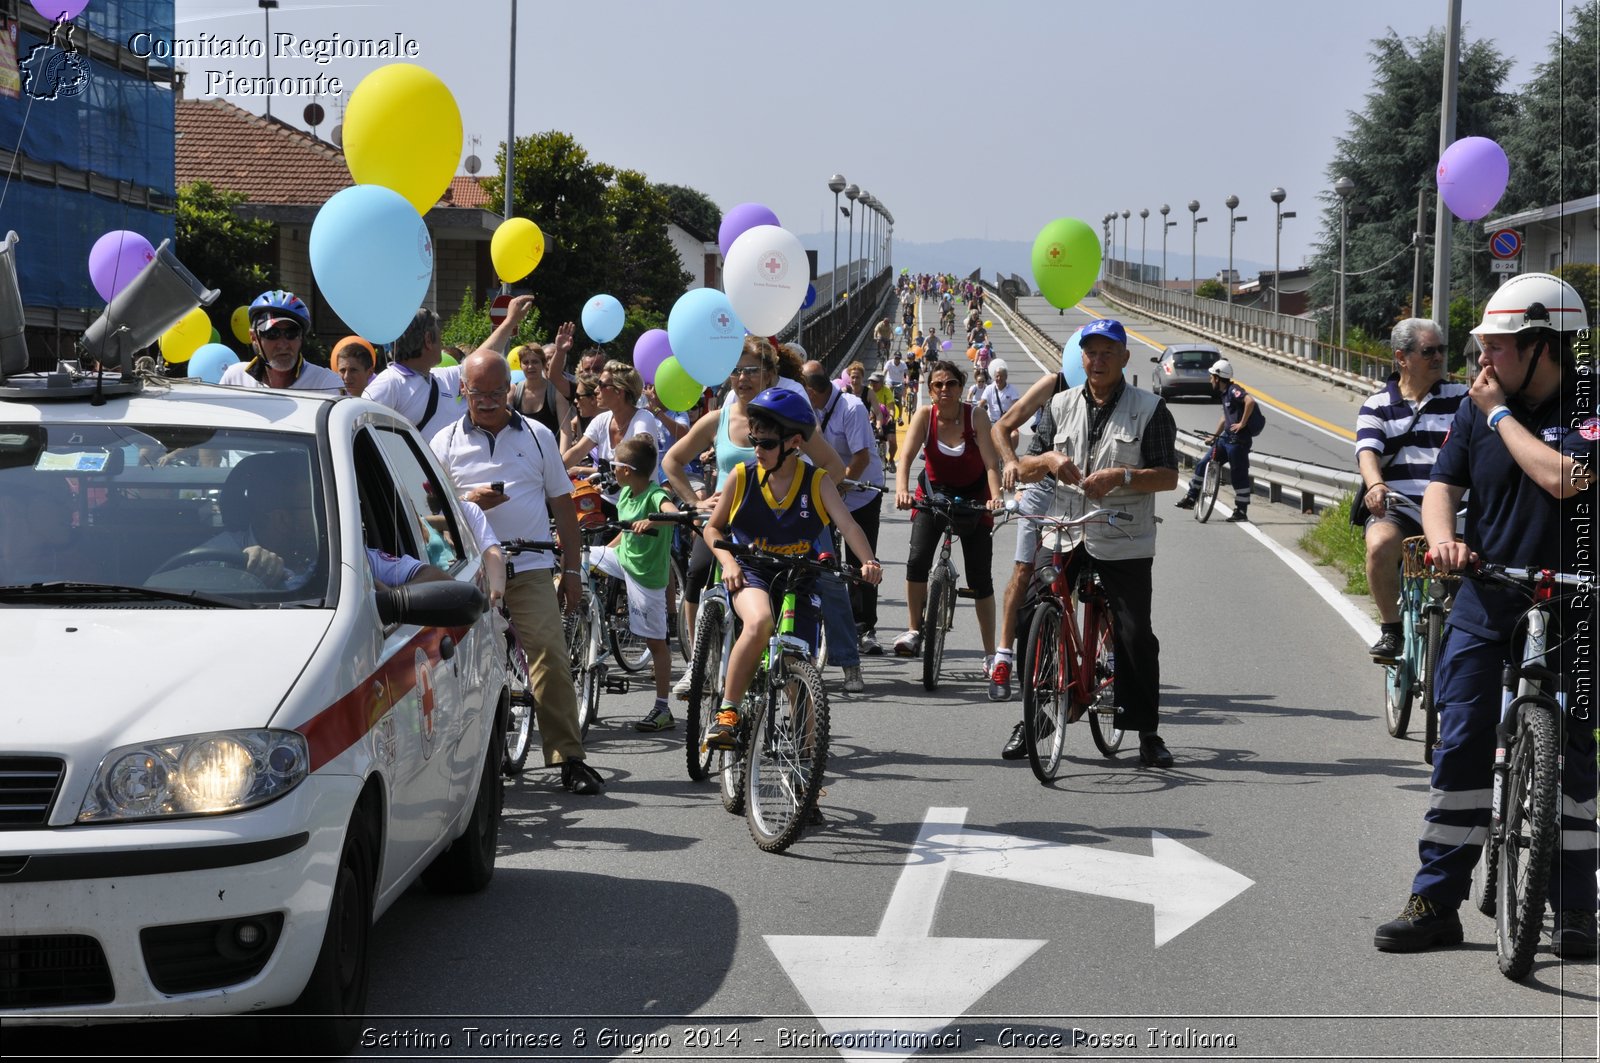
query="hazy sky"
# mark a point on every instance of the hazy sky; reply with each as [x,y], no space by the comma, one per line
[965,119]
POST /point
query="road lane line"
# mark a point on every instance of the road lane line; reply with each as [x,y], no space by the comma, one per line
[1362,624]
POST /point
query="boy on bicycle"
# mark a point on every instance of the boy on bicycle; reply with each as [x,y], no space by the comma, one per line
[780,503]
[642,562]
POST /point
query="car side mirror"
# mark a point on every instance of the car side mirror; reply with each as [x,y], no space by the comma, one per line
[437,603]
[1156,359]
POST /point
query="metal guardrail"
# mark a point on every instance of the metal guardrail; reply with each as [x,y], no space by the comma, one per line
[823,333]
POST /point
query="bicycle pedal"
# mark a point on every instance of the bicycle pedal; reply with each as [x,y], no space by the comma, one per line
[966,592]
[616,684]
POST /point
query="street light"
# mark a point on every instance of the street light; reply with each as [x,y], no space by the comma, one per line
[1194,243]
[835,185]
[1232,201]
[266,7]
[852,193]
[1278,195]
[1165,225]
[1125,214]
[1144,238]
[865,199]
[1344,186]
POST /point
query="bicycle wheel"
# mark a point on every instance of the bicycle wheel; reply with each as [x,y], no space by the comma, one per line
[1209,486]
[590,682]
[705,689]
[1528,840]
[1486,878]
[627,649]
[1430,668]
[1103,709]
[933,628]
[787,757]
[678,609]
[1044,692]
[519,712]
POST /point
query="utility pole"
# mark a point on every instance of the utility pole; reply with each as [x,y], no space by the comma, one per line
[1420,238]
[1447,136]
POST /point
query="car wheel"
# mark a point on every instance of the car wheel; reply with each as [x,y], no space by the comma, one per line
[332,1008]
[468,864]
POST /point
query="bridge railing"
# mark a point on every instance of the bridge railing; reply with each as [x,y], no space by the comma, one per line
[826,334]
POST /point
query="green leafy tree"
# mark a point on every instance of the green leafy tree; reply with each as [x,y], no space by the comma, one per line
[1211,288]
[1391,150]
[1554,141]
[692,209]
[470,326]
[223,249]
[646,272]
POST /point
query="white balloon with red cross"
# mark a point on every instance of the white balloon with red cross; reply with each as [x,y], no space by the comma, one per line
[765,276]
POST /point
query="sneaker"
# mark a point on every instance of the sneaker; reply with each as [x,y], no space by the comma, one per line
[659,718]
[680,689]
[1421,924]
[1573,933]
[1153,752]
[853,683]
[1387,649]
[579,778]
[1186,502]
[1016,746]
[721,734]
[908,644]
[1000,680]
[1238,516]
[869,645]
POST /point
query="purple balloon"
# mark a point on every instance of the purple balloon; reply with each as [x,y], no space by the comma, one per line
[1472,177]
[736,221]
[54,9]
[649,351]
[117,258]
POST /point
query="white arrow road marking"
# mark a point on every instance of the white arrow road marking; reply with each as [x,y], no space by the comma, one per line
[922,983]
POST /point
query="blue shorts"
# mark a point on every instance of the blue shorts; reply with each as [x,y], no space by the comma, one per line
[808,606]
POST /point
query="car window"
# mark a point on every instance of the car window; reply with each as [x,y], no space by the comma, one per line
[1196,359]
[424,500]
[171,508]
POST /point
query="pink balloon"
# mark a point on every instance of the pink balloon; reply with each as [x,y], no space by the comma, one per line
[54,9]
[117,258]
[1472,177]
[649,351]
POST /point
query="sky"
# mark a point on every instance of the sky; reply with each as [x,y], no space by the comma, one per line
[965,120]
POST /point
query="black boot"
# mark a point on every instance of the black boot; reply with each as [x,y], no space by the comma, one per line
[1421,924]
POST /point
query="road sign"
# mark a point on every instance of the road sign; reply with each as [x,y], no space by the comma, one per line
[921,983]
[1505,243]
[497,310]
[1506,265]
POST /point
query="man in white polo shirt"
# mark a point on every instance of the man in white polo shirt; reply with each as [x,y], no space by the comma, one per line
[511,467]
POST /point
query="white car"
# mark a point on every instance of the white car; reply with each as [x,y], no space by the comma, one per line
[225,749]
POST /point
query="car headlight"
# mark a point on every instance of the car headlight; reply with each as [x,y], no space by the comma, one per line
[195,775]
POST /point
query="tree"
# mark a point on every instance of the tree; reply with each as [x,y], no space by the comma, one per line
[1210,288]
[223,249]
[692,209]
[1554,140]
[470,326]
[647,272]
[1391,150]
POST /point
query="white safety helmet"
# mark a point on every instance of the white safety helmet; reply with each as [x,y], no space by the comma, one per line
[997,365]
[1532,300]
[1223,368]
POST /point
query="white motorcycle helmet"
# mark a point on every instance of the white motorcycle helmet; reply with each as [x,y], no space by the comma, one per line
[1222,368]
[1533,300]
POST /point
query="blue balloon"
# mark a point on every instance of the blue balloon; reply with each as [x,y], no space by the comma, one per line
[373,259]
[518,376]
[705,334]
[898,330]
[603,318]
[1072,360]
[811,296]
[209,362]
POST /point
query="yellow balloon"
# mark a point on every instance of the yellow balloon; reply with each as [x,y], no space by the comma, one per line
[191,332]
[402,130]
[515,249]
[988,324]
[240,323]
[514,359]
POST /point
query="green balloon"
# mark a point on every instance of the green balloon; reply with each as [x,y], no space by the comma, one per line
[448,359]
[676,389]
[1066,261]
[216,337]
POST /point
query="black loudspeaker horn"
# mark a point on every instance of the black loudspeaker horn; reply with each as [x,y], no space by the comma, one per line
[13,344]
[151,304]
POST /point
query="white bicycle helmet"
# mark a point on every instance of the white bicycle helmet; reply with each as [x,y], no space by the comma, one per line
[1223,368]
[1533,300]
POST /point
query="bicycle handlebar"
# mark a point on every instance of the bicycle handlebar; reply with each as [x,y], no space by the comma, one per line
[530,546]
[685,518]
[943,506]
[1094,516]
[857,485]
[612,527]
[1522,579]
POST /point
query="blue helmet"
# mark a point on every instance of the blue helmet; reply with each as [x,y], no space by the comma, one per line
[271,307]
[787,409]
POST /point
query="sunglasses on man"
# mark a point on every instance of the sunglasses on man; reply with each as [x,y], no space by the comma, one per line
[282,332]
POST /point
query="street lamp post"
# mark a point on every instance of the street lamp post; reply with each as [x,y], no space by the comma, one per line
[266,7]
[865,199]
[852,193]
[1278,195]
[1194,244]
[1125,214]
[1165,225]
[1344,186]
[1144,238]
[1232,202]
[835,185]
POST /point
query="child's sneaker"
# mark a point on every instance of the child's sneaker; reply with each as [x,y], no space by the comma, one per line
[659,718]
[721,734]
[1000,679]
[908,644]
[680,689]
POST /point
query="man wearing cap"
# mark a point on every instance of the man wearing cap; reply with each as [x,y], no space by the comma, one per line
[279,321]
[1115,446]
[1000,396]
[1235,430]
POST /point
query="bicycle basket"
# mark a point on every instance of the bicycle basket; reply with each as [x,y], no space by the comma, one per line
[587,501]
[1413,561]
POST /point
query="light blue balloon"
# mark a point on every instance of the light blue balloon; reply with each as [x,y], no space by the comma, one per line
[1072,360]
[603,318]
[518,376]
[898,330]
[373,259]
[209,362]
[705,334]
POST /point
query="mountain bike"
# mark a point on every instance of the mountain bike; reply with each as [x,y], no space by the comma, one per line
[1211,482]
[1525,814]
[1069,667]
[592,629]
[939,613]
[520,712]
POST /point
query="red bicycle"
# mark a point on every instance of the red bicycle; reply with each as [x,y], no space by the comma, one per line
[1068,665]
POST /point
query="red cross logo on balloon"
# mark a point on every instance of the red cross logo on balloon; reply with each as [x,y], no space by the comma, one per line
[773,265]
[1054,253]
[723,320]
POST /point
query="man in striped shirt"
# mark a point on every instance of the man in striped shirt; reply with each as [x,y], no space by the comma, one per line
[1398,435]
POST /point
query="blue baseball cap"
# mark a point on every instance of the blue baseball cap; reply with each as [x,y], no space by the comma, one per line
[1105,326]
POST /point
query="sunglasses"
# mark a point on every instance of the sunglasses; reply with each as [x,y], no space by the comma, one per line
[615,464]
[1430,352]
[766,444]
[583,394]
[941,385]
[286,332]
[606,385]
[747,370]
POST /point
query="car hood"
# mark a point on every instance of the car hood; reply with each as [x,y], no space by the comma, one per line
[84,679]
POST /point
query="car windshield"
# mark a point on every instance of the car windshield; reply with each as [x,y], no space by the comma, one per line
[1195,359]
[233,516]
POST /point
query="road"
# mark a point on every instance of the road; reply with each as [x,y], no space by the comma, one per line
[948,893]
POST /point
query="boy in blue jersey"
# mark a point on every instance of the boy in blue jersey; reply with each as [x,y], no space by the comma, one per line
[779,503]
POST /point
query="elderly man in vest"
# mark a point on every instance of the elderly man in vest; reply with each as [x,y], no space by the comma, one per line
[1114,447]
